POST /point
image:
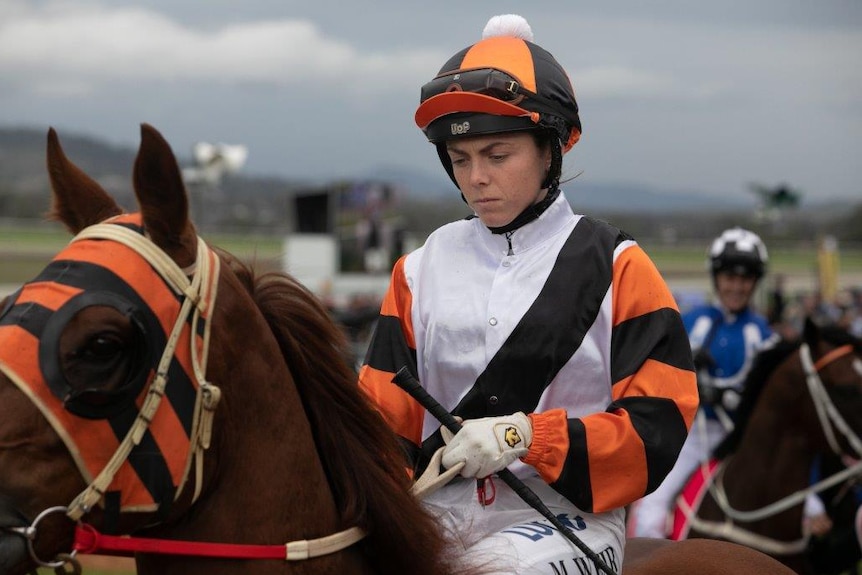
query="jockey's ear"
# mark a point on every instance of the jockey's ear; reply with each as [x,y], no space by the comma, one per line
[78,200]
[162,198]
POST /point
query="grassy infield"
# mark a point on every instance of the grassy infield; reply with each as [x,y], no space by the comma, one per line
[24,252]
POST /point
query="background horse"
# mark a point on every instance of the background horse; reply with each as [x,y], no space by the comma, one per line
[154,387]
[802,401]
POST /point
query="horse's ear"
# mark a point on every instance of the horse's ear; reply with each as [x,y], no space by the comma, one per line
[810,333]
[78,200]
[162,197]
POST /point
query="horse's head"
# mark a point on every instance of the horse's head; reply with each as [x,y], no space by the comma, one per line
[810,388]
[82,361]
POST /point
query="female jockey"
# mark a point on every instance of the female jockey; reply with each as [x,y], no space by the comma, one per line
[724,337]
[550,334]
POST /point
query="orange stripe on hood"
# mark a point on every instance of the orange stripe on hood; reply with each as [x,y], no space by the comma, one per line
[92,442]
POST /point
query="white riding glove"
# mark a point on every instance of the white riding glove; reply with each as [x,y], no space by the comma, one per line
[487,445]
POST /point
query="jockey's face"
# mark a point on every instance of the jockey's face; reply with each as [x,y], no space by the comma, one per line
[734,290]
[499,174]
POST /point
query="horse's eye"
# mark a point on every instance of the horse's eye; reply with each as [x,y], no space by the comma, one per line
[101,347]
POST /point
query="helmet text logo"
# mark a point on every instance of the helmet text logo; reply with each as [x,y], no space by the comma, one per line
[460,128]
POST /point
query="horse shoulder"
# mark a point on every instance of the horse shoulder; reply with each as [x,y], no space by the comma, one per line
[644,556]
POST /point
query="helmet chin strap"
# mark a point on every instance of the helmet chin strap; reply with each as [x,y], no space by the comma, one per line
[531,213]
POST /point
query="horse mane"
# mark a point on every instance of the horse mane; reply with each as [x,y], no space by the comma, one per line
[362,458]
[764,364]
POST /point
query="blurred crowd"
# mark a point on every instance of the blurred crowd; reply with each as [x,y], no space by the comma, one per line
[787,312]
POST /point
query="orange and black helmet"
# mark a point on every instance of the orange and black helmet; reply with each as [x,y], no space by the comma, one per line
[499,84]
[502,83]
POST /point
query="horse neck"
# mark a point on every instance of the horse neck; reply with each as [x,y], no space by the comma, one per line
[264,481]
[774,457]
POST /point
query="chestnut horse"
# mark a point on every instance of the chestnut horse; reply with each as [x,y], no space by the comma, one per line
[802,403]
[159,399]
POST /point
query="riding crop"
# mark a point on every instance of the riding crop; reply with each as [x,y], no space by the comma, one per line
[406,381]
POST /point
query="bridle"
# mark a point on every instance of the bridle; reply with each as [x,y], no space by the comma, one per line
[831,421]
[196,286]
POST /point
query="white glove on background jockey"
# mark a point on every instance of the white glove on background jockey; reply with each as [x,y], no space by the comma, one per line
[488,445]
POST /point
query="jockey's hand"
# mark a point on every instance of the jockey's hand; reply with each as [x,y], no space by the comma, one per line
[818,525]
[488,445]
[708,393]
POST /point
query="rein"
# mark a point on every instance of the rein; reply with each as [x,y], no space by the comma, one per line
[89,540]
[830,420]
[197,285]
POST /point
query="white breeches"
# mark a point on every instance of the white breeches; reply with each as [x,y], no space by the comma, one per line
[509,536]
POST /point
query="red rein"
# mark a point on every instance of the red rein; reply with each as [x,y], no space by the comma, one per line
[89,540]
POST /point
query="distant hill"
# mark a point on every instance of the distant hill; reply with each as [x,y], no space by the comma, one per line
[22,170]
[22,154]
[585,196]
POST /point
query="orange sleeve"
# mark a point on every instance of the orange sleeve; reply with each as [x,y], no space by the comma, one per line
[609,459]
[392,347]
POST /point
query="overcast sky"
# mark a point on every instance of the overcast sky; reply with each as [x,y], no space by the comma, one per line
[688,96]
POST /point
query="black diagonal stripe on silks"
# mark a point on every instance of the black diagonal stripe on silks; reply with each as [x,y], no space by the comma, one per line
[552,329]
[388,350]
[146,459]
[658,335]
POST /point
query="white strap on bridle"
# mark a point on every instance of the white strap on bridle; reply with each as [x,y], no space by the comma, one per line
[830,419]
[197,293]
[826,410]
[309,548]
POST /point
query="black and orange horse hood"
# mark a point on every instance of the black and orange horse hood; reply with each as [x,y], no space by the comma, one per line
[94,420]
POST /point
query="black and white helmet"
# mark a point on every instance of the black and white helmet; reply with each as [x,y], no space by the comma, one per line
[738,251]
